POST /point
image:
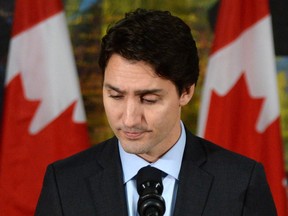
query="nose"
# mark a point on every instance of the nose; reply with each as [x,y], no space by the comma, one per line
[132,114]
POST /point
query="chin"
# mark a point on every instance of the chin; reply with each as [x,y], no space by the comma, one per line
[133,149]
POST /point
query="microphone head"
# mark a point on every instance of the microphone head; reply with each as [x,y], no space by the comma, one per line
[150,188]
[149,178]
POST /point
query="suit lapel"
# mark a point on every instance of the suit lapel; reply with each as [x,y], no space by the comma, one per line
[194,183]
[107,185]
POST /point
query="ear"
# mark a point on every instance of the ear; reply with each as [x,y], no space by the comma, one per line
[186,95]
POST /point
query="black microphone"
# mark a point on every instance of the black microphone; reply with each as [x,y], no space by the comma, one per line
[150,188]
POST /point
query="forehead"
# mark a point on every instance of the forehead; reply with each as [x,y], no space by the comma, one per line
[126,73]
[118,64]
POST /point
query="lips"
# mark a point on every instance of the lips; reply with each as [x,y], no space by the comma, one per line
[133,135]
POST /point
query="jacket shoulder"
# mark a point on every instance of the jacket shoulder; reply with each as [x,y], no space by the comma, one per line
[93,155]
[218,157]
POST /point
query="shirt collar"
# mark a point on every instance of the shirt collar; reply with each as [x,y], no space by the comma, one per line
[169,163]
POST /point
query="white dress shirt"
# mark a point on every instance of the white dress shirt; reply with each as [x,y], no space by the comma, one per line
[170,163]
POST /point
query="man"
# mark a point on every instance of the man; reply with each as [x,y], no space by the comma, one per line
[150,65]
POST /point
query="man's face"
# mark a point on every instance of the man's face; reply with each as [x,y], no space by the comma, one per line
[143,109]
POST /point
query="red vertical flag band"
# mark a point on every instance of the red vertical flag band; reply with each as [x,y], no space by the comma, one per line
[240,107]
[29,13]
[43,115]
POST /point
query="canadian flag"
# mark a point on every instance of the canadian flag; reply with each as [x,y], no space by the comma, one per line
[43,118]
[240,108]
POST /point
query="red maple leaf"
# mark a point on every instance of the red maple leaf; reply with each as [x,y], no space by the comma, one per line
[24,157]
[231,123]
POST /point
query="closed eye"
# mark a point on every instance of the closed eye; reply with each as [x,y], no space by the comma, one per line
[116,97]
[149,99]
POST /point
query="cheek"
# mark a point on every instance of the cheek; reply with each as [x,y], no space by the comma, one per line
[110,110]
[163,116]
[110,114]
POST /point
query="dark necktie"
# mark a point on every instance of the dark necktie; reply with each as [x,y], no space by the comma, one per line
[150,188]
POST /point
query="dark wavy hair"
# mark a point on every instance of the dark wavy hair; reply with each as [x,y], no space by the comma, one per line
[158,38]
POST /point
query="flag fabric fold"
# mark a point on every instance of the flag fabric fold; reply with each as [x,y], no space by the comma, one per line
[240,107]
[43,116]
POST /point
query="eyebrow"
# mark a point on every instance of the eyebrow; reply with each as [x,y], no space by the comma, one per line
[137,92]
[108,86]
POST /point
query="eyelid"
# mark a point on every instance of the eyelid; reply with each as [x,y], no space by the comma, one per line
[113,92]
[156,96]
[148,101]
[116,97]
[150,98]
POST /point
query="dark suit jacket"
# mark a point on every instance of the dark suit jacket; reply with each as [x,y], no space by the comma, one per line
[212,181]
